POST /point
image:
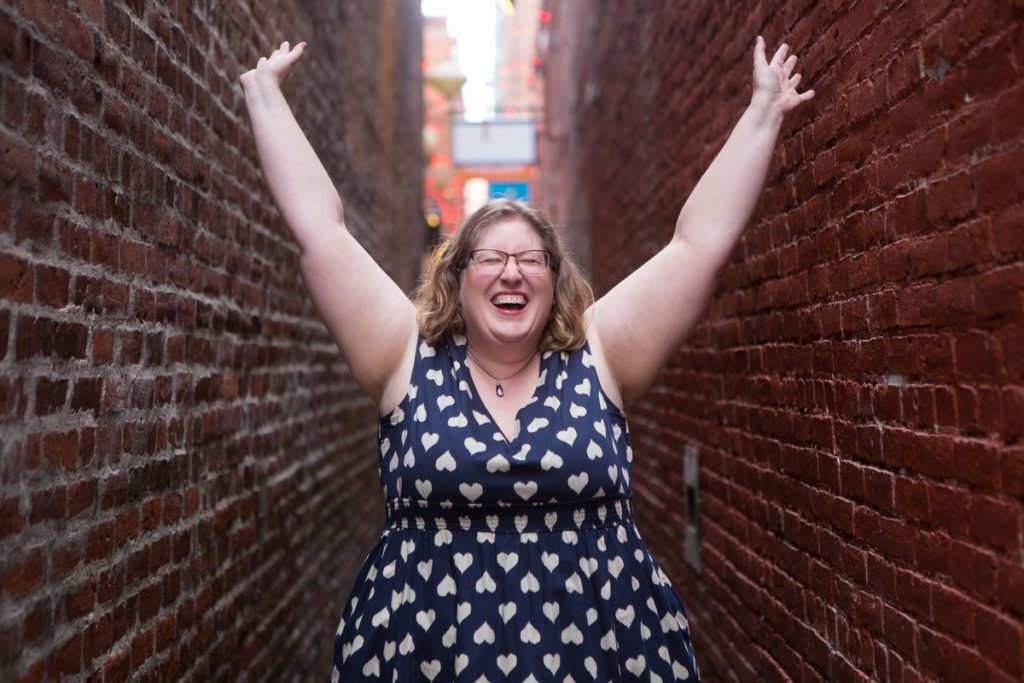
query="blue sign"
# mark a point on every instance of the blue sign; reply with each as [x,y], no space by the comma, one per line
[518,191]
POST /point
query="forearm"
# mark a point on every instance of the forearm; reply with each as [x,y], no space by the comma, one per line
[298,182]
[724,199]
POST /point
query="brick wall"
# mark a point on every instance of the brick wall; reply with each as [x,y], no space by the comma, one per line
[188,480]
[856,392]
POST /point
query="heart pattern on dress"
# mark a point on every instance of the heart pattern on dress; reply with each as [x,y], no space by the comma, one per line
[509,558]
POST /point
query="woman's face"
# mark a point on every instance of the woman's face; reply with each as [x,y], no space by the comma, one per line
[509,307]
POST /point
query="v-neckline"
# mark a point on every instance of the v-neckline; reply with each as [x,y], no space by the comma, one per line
[479,399]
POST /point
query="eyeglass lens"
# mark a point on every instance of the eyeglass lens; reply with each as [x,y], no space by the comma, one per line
[492,260]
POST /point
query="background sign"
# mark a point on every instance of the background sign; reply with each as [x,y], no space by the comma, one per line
[494,143]
[518,191]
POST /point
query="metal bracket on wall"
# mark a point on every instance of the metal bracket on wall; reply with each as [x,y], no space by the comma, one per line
[691,481]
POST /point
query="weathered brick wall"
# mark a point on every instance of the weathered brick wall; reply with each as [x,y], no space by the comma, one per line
[856,392]
[188,479]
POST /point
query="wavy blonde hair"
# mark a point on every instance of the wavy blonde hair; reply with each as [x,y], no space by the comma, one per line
[438,312]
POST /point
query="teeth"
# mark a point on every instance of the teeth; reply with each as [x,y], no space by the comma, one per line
[509,299]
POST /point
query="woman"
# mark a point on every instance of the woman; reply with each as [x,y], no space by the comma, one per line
[510,551]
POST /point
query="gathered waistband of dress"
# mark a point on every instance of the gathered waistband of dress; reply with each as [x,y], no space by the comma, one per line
[578,515]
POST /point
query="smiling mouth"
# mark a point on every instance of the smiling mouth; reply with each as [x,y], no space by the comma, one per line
[509,302]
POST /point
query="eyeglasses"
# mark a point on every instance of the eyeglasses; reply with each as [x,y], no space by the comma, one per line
[492,261]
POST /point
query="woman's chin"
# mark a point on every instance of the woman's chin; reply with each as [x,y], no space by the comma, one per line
[513,331]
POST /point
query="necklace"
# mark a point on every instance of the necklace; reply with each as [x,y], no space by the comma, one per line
[498,380]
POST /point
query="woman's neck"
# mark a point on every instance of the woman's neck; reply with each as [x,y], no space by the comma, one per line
[501,359]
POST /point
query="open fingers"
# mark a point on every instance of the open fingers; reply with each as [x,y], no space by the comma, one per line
[780,55]
[794,80]
[285,50]
[788,65]
[759,55]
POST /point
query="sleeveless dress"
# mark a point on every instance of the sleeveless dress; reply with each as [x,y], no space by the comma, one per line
[509,560]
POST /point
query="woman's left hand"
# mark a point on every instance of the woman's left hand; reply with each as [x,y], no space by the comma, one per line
[774,81]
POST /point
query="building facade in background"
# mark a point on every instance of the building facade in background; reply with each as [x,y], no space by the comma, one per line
[443,194]
[484,150]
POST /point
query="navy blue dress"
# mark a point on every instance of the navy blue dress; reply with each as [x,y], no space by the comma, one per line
[509,560]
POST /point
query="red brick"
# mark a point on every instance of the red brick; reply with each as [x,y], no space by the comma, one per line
[995,523]
[945,407]
[17,164]
[899,630]
[925,454]
[87,391]
[102,347]
[127,526]
[51,286]
[977,463]
[165,633]
[81,497]
[50,395]
[851,479]
[149,601]
[35,673]
[908,216]
[914,593]
[76,34]
[5,327]
[115,299]
[15,279]
[98,638]
[1012,471]
[117,668]
[936,653]
[101,541]
[912,499]
[68,659]
[66,558]
[1005,233]
[49,504]
[13,402]
[142,648]
[998,293]
[61,450]
[974,570]
[976,356]
[38,623]
[950,198]
[953,613]
[12,521]
[948,506]
[992,193]
[81,600]
[967,244]
[24,576]
[1001,642]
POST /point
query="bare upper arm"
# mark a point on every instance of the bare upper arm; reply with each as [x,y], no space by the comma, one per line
[639,323]
[368,315]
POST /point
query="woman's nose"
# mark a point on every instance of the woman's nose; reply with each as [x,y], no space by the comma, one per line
[511,269]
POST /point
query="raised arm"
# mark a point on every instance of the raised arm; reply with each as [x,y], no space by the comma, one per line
[637,325]
[369,316]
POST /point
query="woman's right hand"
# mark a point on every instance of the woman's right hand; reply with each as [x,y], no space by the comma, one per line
[275,68]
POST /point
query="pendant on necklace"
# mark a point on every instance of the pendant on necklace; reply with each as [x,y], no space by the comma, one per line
[498,390]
